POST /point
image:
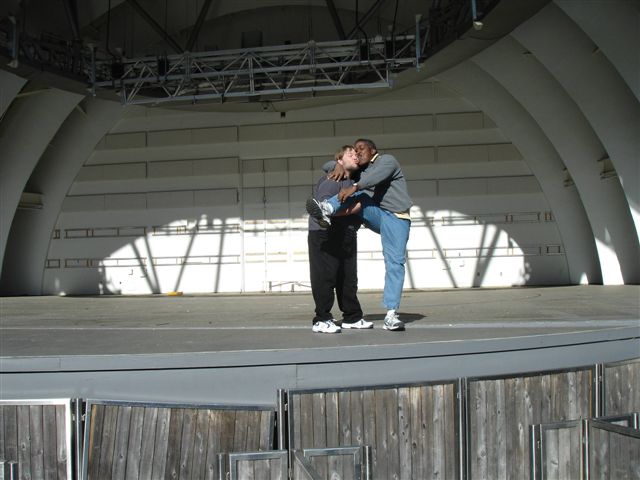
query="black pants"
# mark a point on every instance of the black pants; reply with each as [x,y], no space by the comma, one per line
[333,262]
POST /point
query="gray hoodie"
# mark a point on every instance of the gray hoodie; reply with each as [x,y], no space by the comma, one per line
[384,181]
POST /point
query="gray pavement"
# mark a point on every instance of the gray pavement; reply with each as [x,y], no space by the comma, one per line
[105,325]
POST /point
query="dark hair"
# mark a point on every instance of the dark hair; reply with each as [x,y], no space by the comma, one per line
[369,143]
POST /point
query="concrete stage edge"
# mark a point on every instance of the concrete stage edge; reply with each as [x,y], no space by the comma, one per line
[231,349]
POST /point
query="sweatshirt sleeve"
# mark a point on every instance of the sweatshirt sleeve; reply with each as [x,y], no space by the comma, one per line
[382,170]
[329,166]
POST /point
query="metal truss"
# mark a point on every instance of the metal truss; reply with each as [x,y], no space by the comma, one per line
[262,74]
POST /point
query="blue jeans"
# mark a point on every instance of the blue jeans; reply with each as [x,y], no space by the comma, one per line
[394,234]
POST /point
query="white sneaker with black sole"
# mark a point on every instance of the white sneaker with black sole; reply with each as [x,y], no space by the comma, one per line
[360,324]
[393,323]
[319,211]
[326,326]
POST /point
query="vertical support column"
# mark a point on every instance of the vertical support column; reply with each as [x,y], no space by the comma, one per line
[598,390]
[9,471]
[282,419]
[222,471]
[462,431]
[367,473]
[78,430]
[535,434]
[585,448]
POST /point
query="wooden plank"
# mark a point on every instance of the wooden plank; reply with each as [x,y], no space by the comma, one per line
[449,446]
[355,412]
[49,436]
[345,422]
[369,428]
[521,407]
[405,434]
[586,408]
[24,441]
[253,431]
[267,430]
[427,414]
[161,443]
[390,396]
[213,444]
[320,432]
[418,433]
[134,442]
[500,430]
[148,440]
[511,425]
[228,430]
[199,462]
[294,417]
[123,428]
[108,441]
[478,432]
[566,455]
[268,440]
[187,442]
[437,420]
[306,421]
[240,431]
[174,443]
[334,433]
[10,421]
[37,444]
[381,429]
[95,441]
[63,455]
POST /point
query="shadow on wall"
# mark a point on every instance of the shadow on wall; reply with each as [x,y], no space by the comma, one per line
[211,255]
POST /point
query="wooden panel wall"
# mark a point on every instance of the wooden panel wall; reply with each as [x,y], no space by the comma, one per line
[622,388]
[145,442]
[613,455]
[411,429]
[35,436]
[501,410]
[561,450]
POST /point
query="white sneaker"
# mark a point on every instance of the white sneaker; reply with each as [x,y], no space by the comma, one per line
[392,322]
[360,324]
[320,211]
[326,326]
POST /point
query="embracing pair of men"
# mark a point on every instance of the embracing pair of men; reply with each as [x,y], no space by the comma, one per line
[368,187]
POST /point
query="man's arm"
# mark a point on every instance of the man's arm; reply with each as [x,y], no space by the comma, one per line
[384,168]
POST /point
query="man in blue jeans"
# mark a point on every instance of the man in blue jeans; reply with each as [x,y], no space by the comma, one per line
[385,204]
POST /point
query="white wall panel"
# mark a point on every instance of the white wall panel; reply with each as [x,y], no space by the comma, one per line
[130,201]
[214,135]
[178,199]
[459,121]
[168,137]
[357,127]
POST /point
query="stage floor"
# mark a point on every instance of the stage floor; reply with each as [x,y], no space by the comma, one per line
[253,344]
[106,325]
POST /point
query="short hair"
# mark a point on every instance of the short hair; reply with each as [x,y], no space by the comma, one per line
[340,153]
[369,143]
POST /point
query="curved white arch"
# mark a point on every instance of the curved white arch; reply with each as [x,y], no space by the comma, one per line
[27,130]
[487,94]
[28,243]
[580,149]
[595,85]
